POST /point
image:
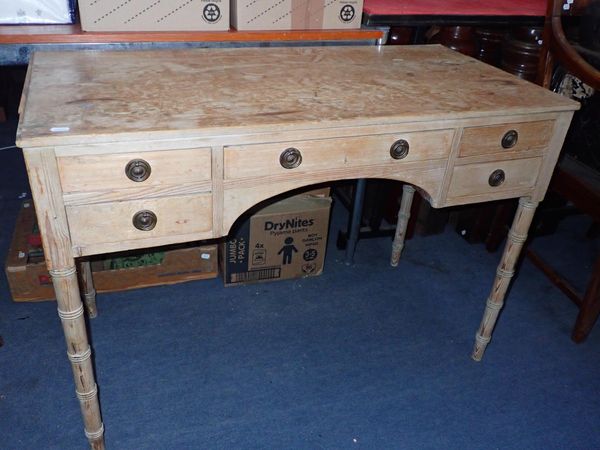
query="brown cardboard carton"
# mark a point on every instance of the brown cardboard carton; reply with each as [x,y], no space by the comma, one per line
[174,264]
[152,15]
[295,14]
[285,240]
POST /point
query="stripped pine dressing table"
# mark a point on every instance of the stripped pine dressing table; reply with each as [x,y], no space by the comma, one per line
[128,150]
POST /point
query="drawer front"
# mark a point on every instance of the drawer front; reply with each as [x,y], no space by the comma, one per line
[114,221]
[515,137]
[263,160]
[487,178]
[86,173]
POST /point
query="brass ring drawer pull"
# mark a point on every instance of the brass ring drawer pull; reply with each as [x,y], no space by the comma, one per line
[290,158]
[144,220]
[138,170]
[510,138]
[496,178]
[399,149]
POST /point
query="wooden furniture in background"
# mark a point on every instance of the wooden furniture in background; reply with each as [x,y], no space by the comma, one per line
[458,38]
[572,180]
[579,184]
[283,118]
[561,51]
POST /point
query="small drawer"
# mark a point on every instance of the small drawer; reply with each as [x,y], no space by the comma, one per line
[263,160]
[140,219]
[85,173]
[512,137]
[487,178]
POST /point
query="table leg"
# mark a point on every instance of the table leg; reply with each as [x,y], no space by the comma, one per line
[408,193]
[87,287]
[52,221]
[70,311]
[356,219]
[516,237]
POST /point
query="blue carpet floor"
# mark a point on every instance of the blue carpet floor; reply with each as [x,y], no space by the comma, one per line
[362,357]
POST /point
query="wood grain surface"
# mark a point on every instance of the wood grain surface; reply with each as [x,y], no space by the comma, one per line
[259,160]
[175,216]
[96,172]
[241,195]
[472,179]
[84,97]
[487,140]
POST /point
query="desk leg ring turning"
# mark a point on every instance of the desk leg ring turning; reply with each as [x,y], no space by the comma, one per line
[70,311]
[516,238]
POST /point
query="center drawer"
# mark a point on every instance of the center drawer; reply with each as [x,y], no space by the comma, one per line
[141,219]
[263,160]
[84,173]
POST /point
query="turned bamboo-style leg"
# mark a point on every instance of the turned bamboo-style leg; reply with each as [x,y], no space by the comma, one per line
[87,287]
[45,187]
[516,237]
[70,311]
[408,193]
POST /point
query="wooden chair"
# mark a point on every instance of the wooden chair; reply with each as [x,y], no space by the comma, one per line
[579,184]
[572,180]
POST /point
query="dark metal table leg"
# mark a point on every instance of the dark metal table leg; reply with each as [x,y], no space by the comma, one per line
[355,221]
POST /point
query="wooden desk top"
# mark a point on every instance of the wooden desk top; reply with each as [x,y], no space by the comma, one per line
[85,97]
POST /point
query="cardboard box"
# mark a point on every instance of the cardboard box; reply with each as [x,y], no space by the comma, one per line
[287,239]
[37,11]
[295,14]
[30,281]
[144,268]
[152,15]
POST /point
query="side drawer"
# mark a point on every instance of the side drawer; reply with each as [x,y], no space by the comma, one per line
[263,160]
[114,221]
[512,137]
[86,173]
[488,178]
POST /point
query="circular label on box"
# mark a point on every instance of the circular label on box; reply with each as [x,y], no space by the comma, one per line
[310,254]
[347,13]
[211,13]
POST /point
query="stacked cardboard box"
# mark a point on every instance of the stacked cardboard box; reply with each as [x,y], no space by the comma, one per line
[296,14]
[215,15]
[152,15]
